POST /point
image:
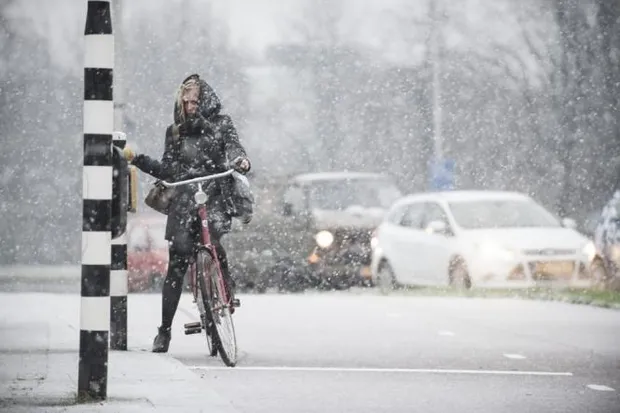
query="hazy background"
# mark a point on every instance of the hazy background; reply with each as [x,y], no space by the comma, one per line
[529,96]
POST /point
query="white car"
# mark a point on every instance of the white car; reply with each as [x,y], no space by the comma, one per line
[477,238]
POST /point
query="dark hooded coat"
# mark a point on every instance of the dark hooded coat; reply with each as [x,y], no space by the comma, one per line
[200,152]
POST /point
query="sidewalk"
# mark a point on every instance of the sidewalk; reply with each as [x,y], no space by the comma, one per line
[39,359]
[47,382]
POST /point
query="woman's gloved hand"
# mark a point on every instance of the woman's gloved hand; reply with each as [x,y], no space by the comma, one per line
[241,164]
[129,153]
[185,128]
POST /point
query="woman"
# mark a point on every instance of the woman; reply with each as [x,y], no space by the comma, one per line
[200,142]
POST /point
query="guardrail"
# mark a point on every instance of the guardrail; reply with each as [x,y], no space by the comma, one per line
[40,271]
[40,278]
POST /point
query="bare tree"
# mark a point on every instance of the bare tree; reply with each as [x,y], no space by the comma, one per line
[608,20]
[40,118]
[561,78]
[321,53]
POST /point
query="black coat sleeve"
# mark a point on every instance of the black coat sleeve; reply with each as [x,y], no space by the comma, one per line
[163,169]
[232,146]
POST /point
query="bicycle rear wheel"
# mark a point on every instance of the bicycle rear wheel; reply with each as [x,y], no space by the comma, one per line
[217,311]
[202,301]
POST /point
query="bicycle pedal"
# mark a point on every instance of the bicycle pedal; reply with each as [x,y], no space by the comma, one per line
[236,303]
[194,330]
[195,324]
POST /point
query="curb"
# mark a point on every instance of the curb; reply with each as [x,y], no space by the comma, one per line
[44,278]
[557,296]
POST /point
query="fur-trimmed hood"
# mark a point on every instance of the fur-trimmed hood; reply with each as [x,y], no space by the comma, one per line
[209,103]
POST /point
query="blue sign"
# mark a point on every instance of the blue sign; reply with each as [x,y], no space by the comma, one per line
[441,174]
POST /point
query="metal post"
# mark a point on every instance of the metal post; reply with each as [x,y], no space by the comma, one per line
[118,277]
[119,67]
[98,124]
[435,46]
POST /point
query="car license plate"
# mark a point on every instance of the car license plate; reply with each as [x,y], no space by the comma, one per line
[558,268]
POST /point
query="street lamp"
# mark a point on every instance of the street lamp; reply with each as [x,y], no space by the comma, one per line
[435,45]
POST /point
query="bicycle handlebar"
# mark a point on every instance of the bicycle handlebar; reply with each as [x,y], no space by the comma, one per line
[199,179]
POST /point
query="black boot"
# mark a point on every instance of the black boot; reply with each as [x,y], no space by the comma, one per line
[231,288]
[162,340]
[229,282]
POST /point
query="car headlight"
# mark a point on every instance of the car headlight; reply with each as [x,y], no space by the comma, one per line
[589,250]
[374,241]
[490,250]
[324,239]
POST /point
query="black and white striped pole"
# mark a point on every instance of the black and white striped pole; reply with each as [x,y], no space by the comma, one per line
[98,123]
[118,275]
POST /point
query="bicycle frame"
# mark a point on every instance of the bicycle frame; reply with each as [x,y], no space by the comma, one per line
[214,304]
[201,198]
[206,243]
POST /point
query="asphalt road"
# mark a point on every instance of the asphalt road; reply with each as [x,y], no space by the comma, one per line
[344,352]
[369,353]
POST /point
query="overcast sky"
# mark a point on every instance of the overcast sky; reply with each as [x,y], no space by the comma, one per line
[255,24]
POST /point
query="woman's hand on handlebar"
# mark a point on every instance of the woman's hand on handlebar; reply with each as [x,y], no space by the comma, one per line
[241,164]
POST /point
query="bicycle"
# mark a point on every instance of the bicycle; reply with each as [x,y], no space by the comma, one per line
[208,286]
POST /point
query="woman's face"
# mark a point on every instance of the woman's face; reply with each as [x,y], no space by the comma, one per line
[190,100]
[191,107]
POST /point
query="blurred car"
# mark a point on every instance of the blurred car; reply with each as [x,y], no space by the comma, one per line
[335,215]
[606,263]
[478,238]
[315,232]
[147,252]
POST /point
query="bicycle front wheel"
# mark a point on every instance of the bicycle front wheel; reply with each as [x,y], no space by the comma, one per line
[217,310]
[202,299]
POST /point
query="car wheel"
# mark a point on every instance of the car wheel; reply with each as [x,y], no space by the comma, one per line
[459,276]
[385,278]
[600,278]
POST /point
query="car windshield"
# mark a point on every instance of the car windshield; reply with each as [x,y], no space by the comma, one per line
[342,194]
[501,213]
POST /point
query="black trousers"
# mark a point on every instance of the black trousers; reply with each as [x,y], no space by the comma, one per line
[180,252]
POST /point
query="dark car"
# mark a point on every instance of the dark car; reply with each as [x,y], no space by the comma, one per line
[312,230]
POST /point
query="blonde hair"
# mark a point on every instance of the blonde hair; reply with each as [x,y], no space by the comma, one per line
[185,89]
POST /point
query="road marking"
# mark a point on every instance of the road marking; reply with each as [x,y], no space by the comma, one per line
[514,356]
[599,387]
[383,370]
[445,333]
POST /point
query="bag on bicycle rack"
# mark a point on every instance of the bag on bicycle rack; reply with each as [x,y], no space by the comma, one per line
[242,198]
[159,197]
